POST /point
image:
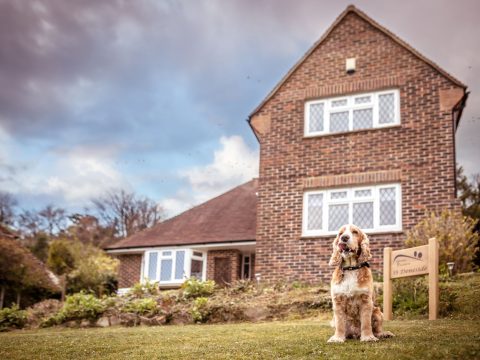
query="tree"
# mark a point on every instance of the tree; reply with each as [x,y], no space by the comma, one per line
[53,219]
[88,230]
[7,208]
[40,246]
[126,212]
[86,267]
[469,195]
[29,223]
[60,258]
[20,270]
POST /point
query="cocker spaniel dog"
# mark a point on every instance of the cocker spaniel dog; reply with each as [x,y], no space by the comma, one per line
[355,315]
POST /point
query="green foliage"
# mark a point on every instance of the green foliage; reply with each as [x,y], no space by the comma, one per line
[40,247]
[454,232]
[12,317]
[199,309]
[80,306]
[469,194]
[410,297]
[87,267]
[145,306]
[193,288]
[146,288]
[60,258]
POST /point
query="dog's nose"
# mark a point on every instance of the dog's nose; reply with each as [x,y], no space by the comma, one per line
[345,238]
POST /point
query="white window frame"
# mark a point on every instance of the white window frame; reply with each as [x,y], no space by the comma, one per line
[350,107]
[186,264]
[350,200]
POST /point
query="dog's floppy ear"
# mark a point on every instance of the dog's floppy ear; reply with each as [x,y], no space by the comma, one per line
[336,258]
[364,248]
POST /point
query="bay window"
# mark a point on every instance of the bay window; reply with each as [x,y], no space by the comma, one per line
[372,208]
[173,266]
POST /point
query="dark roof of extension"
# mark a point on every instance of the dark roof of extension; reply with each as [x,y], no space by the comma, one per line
[365,17]
[230,217]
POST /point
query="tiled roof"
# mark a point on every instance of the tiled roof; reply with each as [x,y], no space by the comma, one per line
[229,217]
[361,14]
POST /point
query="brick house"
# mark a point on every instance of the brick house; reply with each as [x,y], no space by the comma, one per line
[214,240]
[361,130]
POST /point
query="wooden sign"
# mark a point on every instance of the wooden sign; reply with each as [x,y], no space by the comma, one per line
[419,260]
[410,262]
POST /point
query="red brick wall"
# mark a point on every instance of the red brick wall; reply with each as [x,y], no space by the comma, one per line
[129,270]
[420,151]
[235,258]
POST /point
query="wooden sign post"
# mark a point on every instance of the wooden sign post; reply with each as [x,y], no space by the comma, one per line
[418,260]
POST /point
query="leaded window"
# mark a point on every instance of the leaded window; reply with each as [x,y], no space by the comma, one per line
[372,208]
[354,112]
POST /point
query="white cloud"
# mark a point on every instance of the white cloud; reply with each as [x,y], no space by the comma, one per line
[69,177]
[233,163]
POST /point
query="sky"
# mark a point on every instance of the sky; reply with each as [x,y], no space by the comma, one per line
[152,96]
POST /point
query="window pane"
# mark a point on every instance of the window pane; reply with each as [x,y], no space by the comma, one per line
[362,100]
[179,264]
[197,253]
[337,216]
[363,193]
[166,270]
[386,108]
[152,266]
[338,195]
[315,211]
[363,215]
[337,103]
[167,253]
[316,118]
[196,269]
[339,121]
[362,119]
[387,206]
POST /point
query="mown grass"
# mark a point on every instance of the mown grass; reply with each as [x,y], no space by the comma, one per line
[306,339]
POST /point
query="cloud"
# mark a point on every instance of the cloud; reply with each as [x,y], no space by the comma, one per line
[69,178]
[233,163]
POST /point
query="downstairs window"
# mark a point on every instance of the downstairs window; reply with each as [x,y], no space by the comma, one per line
[372,208]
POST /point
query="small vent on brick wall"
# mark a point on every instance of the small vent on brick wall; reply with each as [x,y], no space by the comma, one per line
[350,65]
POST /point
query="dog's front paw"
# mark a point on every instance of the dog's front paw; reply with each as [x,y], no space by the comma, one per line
[385,334]
[336,339]
[368,338]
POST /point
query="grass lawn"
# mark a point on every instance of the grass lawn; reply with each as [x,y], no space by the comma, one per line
[303,339]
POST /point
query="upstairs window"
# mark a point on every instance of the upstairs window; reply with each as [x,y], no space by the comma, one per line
[350,113]
[372,208]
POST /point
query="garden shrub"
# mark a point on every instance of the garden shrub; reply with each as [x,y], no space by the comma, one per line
[454,232]
[146,288]
[144,306]
[12,317]
[81,306]
[410,297]
[193,288]
[200,310]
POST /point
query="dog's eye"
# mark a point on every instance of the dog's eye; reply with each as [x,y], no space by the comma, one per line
[355,232]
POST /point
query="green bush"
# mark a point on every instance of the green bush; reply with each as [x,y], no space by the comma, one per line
[410,297]
[146,288]
[12,317]
[200,310]
[456,237]
[145,306]
[193,288]
[81,306]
